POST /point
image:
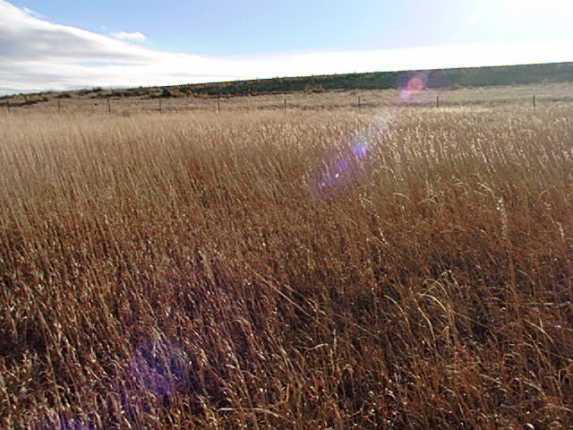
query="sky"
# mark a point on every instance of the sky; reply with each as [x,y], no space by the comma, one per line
[69,44]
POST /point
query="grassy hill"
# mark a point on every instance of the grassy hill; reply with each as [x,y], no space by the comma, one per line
[439,78]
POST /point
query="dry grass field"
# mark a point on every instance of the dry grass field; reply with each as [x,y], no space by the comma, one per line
[399,268]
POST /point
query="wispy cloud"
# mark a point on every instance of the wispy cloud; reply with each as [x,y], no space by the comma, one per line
[33,13]
[37,54]
[130,37]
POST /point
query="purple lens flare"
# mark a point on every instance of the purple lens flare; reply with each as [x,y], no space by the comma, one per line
[62,423]
[416,84]
[159,367]
[345,169]
[360,147]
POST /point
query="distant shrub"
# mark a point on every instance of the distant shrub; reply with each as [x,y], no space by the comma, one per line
[314,88]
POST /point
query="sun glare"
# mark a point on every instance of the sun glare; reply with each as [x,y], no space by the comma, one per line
[529,7]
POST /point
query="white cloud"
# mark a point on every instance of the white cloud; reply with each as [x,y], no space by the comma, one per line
[36,54]
[130,37]
[24,37]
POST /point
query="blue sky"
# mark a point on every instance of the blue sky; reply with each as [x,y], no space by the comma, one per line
[60,44]
[235,27]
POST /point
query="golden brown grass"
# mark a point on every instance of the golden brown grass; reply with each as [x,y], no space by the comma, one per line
[188,271]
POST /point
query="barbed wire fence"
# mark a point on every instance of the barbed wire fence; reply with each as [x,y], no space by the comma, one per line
[284,102]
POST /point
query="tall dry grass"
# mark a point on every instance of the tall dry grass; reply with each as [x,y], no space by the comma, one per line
[258,271]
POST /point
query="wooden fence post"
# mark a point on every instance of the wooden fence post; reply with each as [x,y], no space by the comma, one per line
[219,105]
[359,104]
[534,103]
[437,101]
[59,106]
[108,105]
[285,103]
[160,106]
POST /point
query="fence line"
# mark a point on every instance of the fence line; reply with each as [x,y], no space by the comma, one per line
[127,106]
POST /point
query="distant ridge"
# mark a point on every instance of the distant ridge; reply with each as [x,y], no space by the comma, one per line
[435,78]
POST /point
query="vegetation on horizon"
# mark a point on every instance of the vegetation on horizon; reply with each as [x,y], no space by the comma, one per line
[439,78]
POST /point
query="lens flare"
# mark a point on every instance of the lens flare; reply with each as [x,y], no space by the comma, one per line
[159,367]
[62,423]
[416,84]
[341,172]
[360,147]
